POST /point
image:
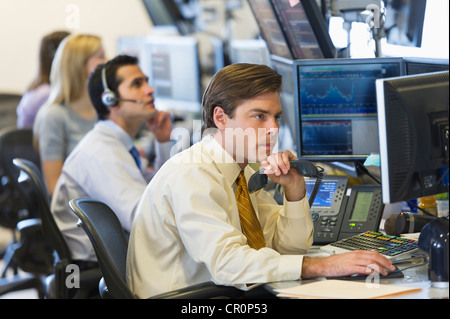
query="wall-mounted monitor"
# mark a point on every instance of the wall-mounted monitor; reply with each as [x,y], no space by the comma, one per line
[270,28]
[167,13]
[293,29]
[305,28]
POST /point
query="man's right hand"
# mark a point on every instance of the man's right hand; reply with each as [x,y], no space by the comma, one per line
[354,262]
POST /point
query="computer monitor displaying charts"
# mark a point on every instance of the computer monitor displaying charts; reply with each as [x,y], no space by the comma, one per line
[336,106]
[413,117]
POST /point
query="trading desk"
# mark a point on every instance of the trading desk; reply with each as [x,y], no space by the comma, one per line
[415,276]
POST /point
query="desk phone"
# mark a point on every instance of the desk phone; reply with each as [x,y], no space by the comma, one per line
[327,206]
[337,216]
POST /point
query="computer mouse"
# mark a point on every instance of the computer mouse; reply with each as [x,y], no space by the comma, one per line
[396,273]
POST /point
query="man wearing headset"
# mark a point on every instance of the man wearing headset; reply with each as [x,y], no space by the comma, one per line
[105,164]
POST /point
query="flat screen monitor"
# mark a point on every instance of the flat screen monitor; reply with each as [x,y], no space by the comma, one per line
[249,51]
[167,13]
[414,135]
[337,108]
[172,65]
[415,65]
[305,28]
[288,128]
[270,28]
[404,22]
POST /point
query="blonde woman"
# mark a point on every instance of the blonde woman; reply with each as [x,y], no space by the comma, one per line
[68,114]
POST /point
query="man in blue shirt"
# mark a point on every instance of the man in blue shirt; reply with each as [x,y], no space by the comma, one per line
[104,164]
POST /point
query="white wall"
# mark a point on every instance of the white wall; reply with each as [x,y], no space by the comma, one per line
[24,22]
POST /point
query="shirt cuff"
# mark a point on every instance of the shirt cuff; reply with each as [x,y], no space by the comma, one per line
[294,209]
[290,267]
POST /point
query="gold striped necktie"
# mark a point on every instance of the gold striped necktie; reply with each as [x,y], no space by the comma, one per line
[249,221]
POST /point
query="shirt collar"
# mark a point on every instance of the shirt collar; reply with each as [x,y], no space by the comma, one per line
[223,160]
[117,132]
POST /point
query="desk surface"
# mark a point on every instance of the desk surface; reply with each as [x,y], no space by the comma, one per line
[415,276]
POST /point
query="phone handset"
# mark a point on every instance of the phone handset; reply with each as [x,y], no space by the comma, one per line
[305,168]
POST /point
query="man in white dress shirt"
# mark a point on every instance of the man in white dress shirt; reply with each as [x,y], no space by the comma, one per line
[101,166]
[188,227]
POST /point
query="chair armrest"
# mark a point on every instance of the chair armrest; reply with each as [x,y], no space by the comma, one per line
[90,277]
[204,290]
[29,226]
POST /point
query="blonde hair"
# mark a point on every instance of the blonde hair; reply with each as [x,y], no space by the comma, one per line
[68,74]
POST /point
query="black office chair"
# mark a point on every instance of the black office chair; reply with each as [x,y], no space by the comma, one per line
[14,142]
[110,244]
[31,177]
[8,109]
[13,209]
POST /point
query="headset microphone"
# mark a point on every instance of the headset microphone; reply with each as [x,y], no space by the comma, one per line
[109,97]
[129,100]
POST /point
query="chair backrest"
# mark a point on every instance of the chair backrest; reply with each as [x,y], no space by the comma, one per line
[8,108]
[33,185]
[109,241]
[14,142]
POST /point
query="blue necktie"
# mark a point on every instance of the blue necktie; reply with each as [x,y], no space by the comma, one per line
[135,153]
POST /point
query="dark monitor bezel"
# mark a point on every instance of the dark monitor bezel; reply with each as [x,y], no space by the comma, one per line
[287,92]
[426,65]
[411,152]
[183,25]
[324,62]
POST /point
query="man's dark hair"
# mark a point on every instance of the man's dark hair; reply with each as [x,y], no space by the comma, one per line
[95,85]
[233,85]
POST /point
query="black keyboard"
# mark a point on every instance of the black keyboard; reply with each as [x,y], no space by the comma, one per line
[387,245]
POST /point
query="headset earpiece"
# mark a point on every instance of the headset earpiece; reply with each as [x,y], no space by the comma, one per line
[108,97]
